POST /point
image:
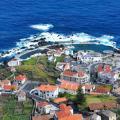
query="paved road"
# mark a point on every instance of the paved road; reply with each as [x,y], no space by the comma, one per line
[29,85]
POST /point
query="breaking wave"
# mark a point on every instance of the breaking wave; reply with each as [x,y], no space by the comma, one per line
[78,38]
[43,27]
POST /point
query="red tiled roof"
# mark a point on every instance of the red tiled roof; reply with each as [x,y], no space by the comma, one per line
[100,68]
[60,100]
[69,85]
[81,74]
[101,89]
[62,114]
[41,104]
[107,68]
[71,73]
[21,77]
[96,106]
[101,106]
[47,88]
[42,117]
[63,107]
[89,86]
[7,87]
[72,117]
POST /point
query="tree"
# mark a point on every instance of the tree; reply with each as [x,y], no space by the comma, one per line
[80,98]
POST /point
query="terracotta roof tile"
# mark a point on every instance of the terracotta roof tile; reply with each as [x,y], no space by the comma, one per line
[41,104]
[69,85]
[63,107]
[72,117]
[101,106]
[101,89]
[47,88]
[89,86]
[42,117]
[60,100]
[62,114]
[21,77]
[7,87]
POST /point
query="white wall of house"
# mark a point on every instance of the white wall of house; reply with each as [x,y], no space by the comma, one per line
[21,98]
[48,94]
[50,108]
[14,63]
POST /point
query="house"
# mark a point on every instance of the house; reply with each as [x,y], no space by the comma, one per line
[66,113]
[20,79]
[46,91]
[60,100]
[14,62]
[108,115]
[62,66]
[102,90]
[68,51]
[9,88]
[69,87]
[21,96]
[42,117]
[95,117]
[6,86]
[89,56]
[102,106]
[44,107]
[106,75]
[80,77]
[63,112]
[6,82]
[72,117]
[89,88]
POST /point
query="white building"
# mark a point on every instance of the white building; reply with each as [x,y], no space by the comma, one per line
[21,96]
[46,91]
[95,117]
[80,77]
[45,108]
[70,87]
[89,57]
[14,62]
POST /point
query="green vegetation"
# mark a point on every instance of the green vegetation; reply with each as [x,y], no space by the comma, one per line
[39,68]
[4,72]
[13,110]
[80,97]
[68,96]
[59,59]
[99,98]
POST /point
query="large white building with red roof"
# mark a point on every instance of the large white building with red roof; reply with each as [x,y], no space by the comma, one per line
[70,87]
[79,77]
[106,75]
[46,91]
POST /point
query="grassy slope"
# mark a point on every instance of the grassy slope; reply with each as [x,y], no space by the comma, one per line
[41,68]
[99,99]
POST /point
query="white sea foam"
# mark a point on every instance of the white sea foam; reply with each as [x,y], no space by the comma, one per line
[79,38]
[43,27]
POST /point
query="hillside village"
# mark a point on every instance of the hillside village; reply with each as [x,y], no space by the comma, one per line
[61,84]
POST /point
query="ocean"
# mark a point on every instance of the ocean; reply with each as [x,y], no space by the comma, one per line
[84,19]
